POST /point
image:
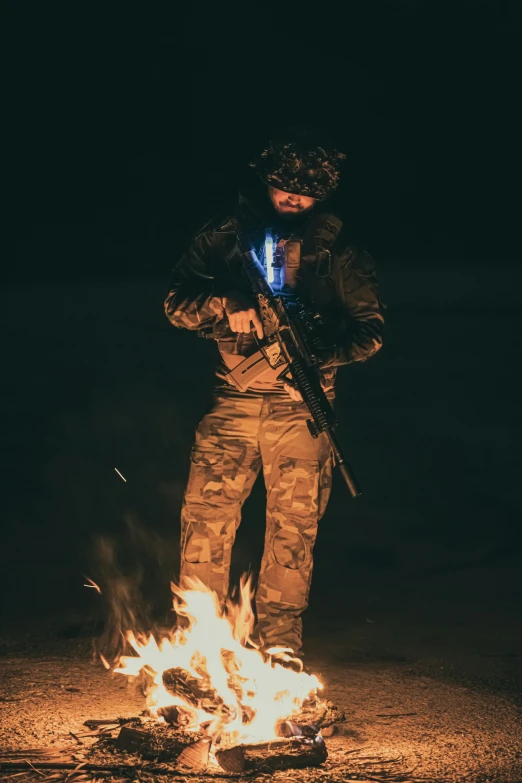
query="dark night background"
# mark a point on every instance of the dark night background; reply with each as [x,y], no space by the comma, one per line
[126,130]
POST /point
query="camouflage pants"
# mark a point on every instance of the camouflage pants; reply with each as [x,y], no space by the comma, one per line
[241,433]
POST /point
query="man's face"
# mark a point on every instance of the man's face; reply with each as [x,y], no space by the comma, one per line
[288,204]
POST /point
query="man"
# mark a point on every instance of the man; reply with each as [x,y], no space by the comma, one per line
[265,426]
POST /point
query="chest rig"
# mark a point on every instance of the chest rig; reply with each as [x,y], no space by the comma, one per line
[290,275]
[290,259]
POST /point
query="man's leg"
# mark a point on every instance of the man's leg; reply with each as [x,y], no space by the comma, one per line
[298,473]
[225,461]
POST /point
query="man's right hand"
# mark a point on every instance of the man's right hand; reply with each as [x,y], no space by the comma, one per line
[242,314]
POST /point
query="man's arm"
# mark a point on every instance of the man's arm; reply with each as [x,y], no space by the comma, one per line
[359,332]
[194,300]
[198,298]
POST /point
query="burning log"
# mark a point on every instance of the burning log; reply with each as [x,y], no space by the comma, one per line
[160,742]
[196,691]
[295,753]
[320,715]
[200,695]
[177,716]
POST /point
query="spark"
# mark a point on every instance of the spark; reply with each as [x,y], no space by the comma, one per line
[119,474]
[93,585]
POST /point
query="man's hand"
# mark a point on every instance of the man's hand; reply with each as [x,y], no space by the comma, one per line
[295,394]
[242,314]
[292,391]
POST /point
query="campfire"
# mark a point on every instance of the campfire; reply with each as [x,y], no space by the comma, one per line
[213,698]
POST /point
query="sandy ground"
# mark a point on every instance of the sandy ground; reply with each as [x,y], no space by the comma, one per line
[401,719]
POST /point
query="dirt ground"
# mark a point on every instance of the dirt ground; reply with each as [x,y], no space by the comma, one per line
[404,721]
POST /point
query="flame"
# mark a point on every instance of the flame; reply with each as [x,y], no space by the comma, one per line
[247,693]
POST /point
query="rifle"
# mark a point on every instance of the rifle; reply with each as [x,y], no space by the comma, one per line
[292,341]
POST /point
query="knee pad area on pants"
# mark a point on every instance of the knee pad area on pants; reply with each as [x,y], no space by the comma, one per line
[285,578]
[289,549]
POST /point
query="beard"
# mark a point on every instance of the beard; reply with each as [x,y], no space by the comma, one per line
[289,212]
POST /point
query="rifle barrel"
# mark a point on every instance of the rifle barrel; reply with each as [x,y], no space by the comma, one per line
[344,468]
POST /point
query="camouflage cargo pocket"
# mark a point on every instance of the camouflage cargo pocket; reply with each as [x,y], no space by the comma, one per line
[210,512]
[297,486]
[205,486]
[206,475]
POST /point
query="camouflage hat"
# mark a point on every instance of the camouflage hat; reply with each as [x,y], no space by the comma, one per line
[299,162]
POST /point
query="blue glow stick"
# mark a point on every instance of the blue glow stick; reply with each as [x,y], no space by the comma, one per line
[269,255]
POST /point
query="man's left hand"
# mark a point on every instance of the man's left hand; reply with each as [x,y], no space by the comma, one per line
[293,392]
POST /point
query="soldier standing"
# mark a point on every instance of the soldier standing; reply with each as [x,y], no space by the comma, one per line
[265,425]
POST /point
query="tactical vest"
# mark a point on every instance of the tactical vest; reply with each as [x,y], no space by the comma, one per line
[311,258]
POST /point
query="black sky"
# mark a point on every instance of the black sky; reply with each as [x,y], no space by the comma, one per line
[126,129]
[127,126]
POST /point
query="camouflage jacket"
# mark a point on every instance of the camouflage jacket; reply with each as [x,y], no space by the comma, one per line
[345,291]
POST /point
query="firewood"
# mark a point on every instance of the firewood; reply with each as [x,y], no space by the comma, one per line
[199,694]
[270,756]
[93,723]
[164,743]
[196,691]
[176,716]
[232,759]
[131,740]
[195,756]
[318,715]
[289,729]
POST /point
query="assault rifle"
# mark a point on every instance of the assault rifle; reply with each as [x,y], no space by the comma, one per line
[292,341]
